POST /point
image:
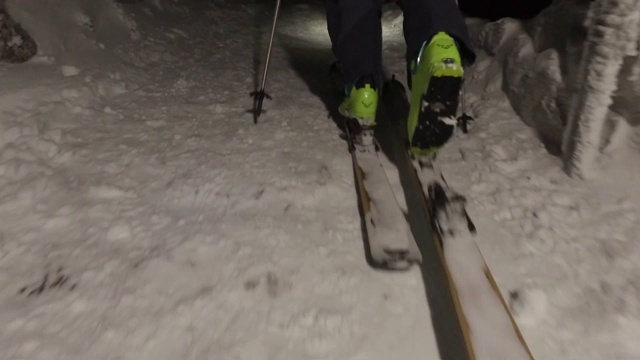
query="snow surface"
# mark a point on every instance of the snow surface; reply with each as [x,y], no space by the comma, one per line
[144,216]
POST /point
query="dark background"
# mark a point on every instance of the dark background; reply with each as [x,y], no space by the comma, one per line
[496,9]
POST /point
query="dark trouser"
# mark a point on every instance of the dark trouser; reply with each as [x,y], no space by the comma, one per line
[356,32]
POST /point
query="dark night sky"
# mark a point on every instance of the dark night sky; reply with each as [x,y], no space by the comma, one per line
[495,9]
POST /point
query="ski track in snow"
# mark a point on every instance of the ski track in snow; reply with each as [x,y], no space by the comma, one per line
[144,216]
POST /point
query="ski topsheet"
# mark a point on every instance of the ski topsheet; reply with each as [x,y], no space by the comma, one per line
[487,325]
[391,244]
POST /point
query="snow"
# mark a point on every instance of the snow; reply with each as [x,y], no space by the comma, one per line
[68,70]
[144,216]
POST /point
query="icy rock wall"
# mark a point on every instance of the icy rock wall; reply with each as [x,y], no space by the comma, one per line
[538,59]
[561,70]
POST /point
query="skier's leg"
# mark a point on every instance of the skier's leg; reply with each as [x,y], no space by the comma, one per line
[423,19]
[356,34]
[437,45]
[334,20]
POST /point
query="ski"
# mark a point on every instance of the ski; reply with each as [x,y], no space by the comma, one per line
[473,291]
[390,242]
[388,236]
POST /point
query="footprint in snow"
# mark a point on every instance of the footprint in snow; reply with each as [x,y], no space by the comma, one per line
[50,281]
[273,285]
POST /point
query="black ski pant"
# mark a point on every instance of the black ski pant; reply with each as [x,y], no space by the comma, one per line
[355,30]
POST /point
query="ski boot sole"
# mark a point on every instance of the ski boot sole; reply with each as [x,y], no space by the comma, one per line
[437,116]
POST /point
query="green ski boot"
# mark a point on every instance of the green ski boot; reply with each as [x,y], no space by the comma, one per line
[361,104]
[360,108]
[436,79]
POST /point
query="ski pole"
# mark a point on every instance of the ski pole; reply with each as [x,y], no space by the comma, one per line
[258,96]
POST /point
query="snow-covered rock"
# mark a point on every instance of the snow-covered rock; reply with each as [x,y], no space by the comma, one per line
[62,32]
[15,43]
[531,80]
[544,68]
